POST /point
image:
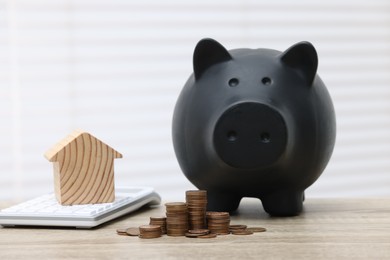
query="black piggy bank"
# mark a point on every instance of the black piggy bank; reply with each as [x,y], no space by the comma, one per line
[254,123]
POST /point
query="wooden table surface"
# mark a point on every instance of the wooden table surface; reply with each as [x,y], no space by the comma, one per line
[328,229]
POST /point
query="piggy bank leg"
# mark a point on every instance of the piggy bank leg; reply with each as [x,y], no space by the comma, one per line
[220,201]
[283,203]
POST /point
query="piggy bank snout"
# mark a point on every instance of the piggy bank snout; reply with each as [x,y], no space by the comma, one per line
[250,135]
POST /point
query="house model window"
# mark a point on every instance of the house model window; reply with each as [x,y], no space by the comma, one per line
[83,169]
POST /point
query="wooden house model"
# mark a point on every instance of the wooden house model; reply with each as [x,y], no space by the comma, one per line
[83,169]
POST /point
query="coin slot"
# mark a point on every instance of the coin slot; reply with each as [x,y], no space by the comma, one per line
[232,136]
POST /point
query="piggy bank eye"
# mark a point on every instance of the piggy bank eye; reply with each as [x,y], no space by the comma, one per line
[233,82]
[266,81]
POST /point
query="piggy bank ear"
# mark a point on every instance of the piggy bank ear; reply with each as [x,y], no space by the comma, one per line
[207,53]
[302,57]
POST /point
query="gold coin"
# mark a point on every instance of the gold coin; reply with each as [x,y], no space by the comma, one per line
[191,235]
[222,233]
[147,228]
[175,204]
[196,191]
[133,231]
[199,231]
[236,227]
[242,232]
[148,237]
[121,231]
[217,214]
[211,235]
[256,229]
[176,234]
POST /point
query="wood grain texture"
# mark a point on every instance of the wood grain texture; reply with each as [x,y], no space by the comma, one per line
[327,229]
[83,169]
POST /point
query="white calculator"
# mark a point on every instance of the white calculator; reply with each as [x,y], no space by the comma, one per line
[46,211]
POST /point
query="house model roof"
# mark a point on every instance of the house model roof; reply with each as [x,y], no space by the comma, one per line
[75,138]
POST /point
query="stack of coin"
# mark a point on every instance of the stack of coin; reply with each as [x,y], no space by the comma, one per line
[197,232]
[150,231]
[196,204]
[218,222]
[133,231]
[233,228]
[121,231]
[159,221]
[177,218]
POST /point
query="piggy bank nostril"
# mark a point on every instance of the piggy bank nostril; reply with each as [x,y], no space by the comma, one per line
[232,136]
[266,81]
[265,137]
[233,82]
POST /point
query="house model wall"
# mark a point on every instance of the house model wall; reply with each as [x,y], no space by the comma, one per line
[83,169]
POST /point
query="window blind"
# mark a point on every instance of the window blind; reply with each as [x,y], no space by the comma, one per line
[115,68]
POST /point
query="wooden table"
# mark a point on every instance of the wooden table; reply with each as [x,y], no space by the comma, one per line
[328,229]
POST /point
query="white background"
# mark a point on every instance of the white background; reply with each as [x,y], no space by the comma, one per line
[115,69]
